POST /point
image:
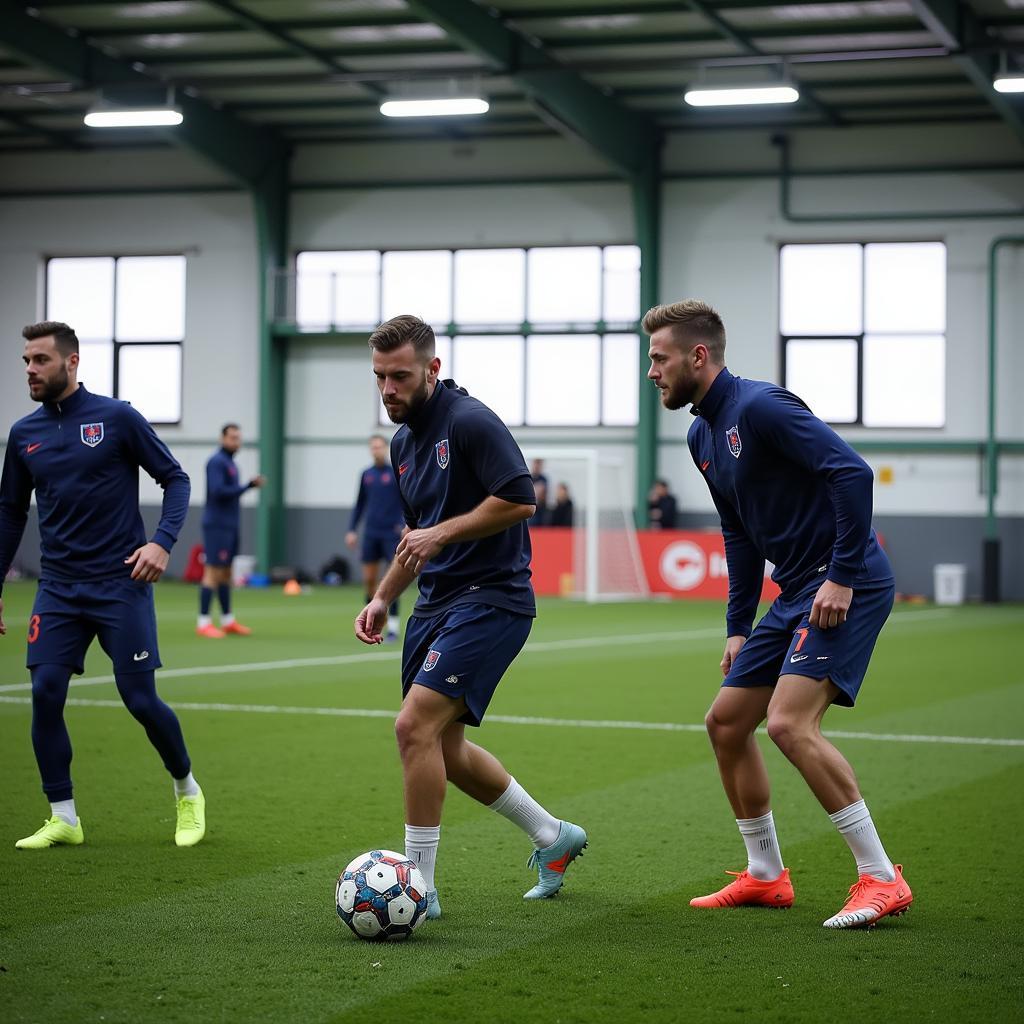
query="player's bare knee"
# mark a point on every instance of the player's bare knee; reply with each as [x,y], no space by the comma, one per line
[789,733]
[723,730]
[413,731]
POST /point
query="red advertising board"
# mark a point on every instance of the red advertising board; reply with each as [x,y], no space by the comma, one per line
[680,563]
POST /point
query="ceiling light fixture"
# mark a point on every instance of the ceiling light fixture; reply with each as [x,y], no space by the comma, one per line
[129,118]
[740,95]
[448,107]
[1007,80]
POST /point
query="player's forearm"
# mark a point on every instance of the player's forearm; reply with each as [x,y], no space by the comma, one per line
[746,580]
[396,581]
[851,493]
[491,516]
[175,507]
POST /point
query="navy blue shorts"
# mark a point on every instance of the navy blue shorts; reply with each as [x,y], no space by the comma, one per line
[220,545]
[784,644]
[67,616]
[379,547]
[463,652]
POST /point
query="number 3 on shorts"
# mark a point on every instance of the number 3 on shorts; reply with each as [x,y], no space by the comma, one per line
[33,629]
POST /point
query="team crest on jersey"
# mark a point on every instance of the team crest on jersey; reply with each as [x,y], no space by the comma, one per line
[441,450]
[431,660]
[92,434]
[732,435]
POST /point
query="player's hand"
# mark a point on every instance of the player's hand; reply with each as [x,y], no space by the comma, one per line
[732,648]
[831,603]
[150,561]
[350,539]
[3,628]
[258,481]
[417,548]
[370,622]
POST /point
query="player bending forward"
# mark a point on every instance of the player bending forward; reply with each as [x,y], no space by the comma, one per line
[81,454]
[788,489]
[466,495]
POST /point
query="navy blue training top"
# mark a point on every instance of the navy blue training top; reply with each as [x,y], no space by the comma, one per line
[223,491]
[448,458]
[82,458]
[379,501]
[788,489]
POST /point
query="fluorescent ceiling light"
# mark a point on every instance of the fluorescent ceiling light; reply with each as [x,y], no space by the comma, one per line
[133,118]
[434,108]
[741,96]
[1009,83]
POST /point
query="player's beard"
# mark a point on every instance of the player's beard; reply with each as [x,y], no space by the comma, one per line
[402,412]
[53,388]
[682,392]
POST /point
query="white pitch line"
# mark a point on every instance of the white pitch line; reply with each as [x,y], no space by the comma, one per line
[351,659]
[570,723]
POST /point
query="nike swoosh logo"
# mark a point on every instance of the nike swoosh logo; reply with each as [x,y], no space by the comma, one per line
[799,657]
[704,465]
[32,447]
[140,657]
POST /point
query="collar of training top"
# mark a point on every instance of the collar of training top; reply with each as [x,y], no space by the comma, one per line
[716,395]
[439,400]
[70,404]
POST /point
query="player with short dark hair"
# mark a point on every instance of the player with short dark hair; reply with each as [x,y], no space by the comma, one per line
[222,523]
[81,454]
[466,496]
[790,490]
[378,505]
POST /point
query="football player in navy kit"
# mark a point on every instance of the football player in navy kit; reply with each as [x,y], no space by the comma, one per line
[466,496]
[787,489]
[81,454]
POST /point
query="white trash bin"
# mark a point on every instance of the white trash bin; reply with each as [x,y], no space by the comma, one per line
[950,583]
[242,567]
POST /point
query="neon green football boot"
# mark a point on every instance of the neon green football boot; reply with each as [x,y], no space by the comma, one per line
[191,825]
[55,832]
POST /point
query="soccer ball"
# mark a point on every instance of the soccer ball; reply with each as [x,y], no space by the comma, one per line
[381,895]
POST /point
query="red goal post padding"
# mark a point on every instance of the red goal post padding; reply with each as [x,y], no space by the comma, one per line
[680,563]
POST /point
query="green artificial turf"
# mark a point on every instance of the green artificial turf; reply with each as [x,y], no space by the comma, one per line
[242,928]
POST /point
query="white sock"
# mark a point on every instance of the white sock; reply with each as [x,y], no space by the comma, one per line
[857,828]
[185,787]
[226,619]
[421,843]
[65,810]
[203,621]
[519,807]
[393,623]
[764,861]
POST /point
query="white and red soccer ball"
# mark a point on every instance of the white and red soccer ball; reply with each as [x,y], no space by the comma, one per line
[381,895]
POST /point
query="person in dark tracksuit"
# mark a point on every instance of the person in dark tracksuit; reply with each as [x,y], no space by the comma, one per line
[466,496]
[221,527]
[790,490]
[379,507]
[81,454]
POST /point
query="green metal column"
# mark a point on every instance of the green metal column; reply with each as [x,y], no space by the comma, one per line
[270,203]
[646,188]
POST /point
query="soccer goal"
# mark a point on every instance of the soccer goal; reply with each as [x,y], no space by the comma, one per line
[606,561]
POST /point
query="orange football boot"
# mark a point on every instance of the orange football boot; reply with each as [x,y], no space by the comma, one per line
[237,629]
[871,899]
[748,891]
[211,632]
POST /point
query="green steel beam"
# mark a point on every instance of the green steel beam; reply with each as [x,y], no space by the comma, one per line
[241,149]
[957,27]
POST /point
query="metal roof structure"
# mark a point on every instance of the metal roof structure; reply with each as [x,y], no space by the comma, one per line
[303,72]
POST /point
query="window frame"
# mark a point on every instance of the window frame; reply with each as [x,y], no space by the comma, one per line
[858,339]
[118,344]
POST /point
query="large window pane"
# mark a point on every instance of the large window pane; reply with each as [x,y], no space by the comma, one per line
[149,376]
[337,289]
[905,287]
[490,286]
[96,366]
[564,285]
[491,369]
[621,283]
[150,298]
[620,383]
[821,289]
[562,382]
[823,372]
[419,283]
[904,380]
[80,292]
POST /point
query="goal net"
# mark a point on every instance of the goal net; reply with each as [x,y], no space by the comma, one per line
[606,561]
